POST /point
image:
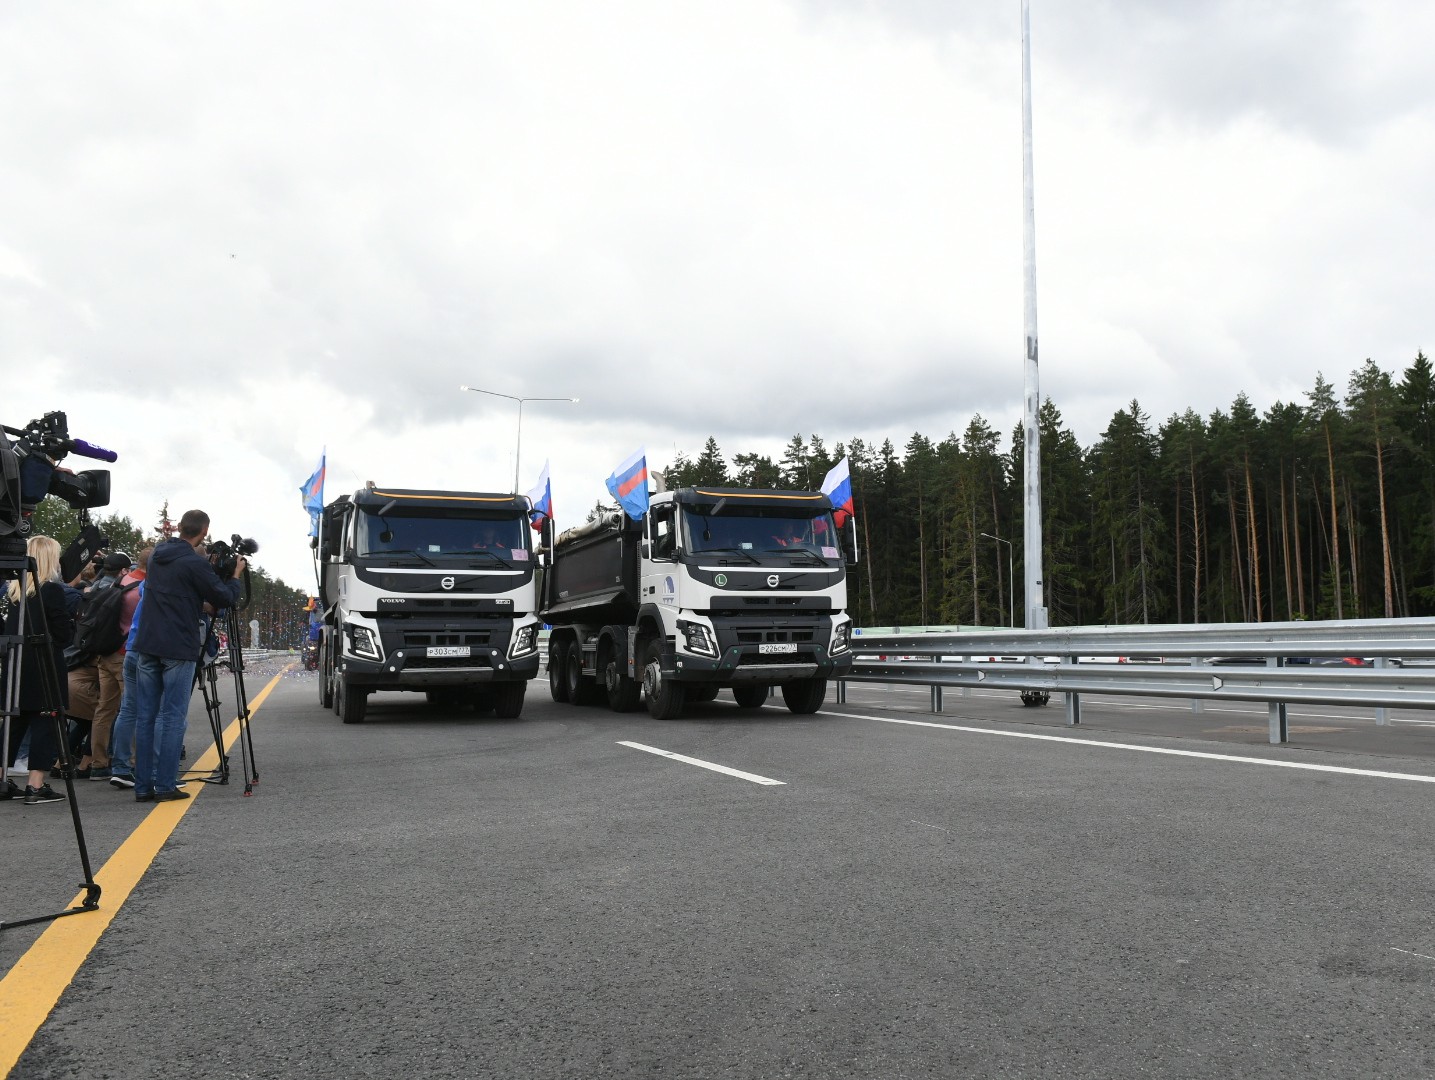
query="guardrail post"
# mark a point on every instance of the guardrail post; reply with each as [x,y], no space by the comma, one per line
[936,699]
[842,691]
[1382,714]
[1073,701]
[1279,729]
[1196,703]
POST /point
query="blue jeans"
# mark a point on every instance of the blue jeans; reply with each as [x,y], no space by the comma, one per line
[163,687]
[122,736]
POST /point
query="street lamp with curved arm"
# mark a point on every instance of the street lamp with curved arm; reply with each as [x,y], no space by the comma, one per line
[1010,584]
[518,448]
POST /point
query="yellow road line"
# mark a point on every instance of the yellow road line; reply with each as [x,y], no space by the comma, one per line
[33,987]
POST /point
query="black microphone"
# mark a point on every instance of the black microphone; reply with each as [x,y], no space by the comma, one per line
[90,450]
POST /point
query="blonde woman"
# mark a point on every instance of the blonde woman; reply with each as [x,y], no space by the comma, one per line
[44,600]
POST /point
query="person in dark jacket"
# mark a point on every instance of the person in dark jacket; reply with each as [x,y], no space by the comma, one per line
[178,585]
[45,606]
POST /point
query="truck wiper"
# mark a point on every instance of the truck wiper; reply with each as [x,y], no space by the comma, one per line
[729,550]
[407,551]
[496,558]
[799,551]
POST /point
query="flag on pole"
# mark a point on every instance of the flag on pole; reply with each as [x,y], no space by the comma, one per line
[837,486]
[629,483]
[313,492]
[541,499]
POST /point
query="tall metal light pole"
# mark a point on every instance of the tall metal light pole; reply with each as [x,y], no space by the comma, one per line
[518,448]
[1031,516]
[1010,581]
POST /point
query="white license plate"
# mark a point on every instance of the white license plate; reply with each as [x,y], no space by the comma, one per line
[448,650]
[778,647]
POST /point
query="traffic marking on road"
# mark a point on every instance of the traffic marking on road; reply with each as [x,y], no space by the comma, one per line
[29,992]
[705,764]
[1099,744]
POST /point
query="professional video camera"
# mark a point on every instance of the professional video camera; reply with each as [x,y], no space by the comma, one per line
[223,557]
[29,470]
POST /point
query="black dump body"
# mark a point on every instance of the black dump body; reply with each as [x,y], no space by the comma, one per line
[593,578]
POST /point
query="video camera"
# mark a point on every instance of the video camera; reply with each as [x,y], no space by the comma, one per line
[223,557]
[29,470]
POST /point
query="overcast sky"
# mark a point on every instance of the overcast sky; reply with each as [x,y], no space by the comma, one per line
[238,234]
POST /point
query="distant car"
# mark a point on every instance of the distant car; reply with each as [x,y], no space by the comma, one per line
[1311,661]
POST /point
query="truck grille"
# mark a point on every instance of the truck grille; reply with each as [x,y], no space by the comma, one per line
[418,639]
[438,663]
[748,636]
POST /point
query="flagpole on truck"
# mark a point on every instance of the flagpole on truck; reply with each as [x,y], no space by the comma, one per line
[518,448]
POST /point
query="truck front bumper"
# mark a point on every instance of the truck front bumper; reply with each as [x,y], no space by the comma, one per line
[410,670]
[744,664]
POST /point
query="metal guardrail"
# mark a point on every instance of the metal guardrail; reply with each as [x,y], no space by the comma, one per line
[1050,661]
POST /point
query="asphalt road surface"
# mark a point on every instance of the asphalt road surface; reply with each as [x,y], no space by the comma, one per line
[874,891]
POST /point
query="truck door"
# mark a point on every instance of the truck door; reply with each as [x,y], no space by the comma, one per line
[660,569]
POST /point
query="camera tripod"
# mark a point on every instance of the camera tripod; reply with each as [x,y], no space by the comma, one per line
[206,675]
[21,568]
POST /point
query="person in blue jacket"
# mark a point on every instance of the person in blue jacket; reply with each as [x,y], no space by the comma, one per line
[179,583]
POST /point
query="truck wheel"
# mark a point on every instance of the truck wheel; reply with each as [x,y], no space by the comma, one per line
[580,690]
[326,675]
[665,697]
[557,663]
[353,702]
[481,700]
[749,697]
[804,695]
[624,694]
[508,699]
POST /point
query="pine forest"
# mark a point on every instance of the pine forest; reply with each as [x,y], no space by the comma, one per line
[1323,509]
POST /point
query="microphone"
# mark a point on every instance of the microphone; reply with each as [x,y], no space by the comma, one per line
[90,450]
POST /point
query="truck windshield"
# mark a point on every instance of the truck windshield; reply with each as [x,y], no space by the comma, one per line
[432,535]
[761,532]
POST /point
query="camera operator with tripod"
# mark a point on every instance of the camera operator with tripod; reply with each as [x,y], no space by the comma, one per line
[44,603]
[179,583]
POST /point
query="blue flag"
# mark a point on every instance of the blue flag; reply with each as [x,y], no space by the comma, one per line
[629,483]
[313,492]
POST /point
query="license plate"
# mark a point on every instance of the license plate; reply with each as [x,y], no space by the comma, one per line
[778,647]
[448,650]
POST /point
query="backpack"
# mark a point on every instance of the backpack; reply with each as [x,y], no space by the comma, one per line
[97,624]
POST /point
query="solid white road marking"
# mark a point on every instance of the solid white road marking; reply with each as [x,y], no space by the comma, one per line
[705,764]
[1375,773]
[926,825]
[1407,952]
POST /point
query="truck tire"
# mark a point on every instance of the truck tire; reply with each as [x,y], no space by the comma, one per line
[804,695]
[624,694]
[702,693]
[749,697]
[353,702]
[665,697]
[326,675]
[557,662]
[580,689]
[508,699]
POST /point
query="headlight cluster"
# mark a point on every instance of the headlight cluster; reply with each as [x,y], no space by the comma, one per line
[362,642]
[841,638]
[525,641]
[698,637]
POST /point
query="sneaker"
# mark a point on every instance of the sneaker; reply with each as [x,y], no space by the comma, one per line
[145,796]
[100,774]
[42,794]
[122,780]
[170,796]
[10,790]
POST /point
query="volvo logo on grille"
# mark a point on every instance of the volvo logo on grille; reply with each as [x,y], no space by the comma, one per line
[447,582]
[772,581]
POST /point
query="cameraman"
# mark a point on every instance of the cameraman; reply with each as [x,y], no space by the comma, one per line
[167,647]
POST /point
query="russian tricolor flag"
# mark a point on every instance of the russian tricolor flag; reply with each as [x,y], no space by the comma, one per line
[629,483]
[837,486]
[313,492]
[541,499]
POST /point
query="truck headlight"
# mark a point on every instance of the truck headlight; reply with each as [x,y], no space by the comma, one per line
[525,641]
[698,637]
[841,638]
[363,643]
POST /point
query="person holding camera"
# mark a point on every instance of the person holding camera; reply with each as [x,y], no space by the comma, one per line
[44,607]
[178,585]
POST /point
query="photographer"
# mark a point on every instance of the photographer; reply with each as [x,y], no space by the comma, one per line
[167,646]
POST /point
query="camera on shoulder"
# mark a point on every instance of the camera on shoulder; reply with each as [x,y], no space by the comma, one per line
[224,557]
